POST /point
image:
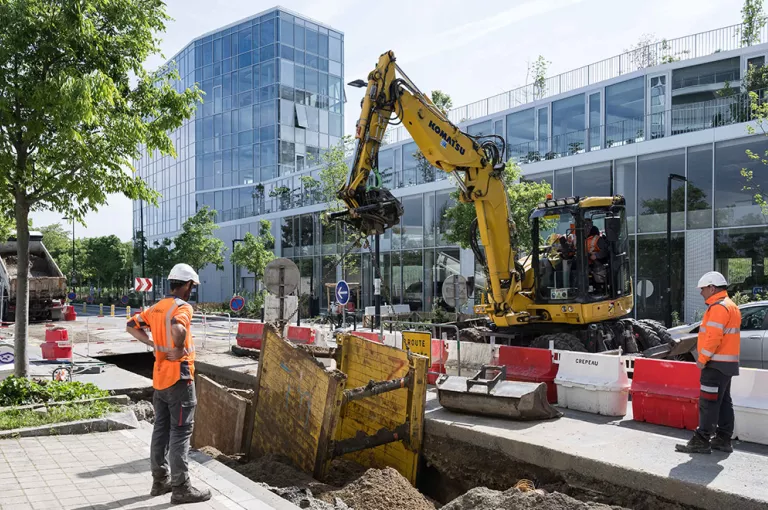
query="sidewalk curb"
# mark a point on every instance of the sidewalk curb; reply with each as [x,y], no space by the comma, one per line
[114,421]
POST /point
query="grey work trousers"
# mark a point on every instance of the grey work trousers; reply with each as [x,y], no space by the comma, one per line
[715,404]
[174,418]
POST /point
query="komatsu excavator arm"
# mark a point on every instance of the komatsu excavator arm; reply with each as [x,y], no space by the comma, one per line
[476,163]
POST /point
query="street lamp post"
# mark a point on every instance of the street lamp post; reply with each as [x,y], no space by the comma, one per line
[234,278]
[668,307]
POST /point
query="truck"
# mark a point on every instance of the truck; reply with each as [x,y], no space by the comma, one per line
[47,284]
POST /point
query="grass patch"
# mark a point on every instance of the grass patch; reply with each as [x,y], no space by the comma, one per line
[16,391]
[14,419]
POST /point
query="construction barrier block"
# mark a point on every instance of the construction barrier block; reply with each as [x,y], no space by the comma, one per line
[250,334]
[593,383]
[666,393]
[56,350]
[300,335]
[70,314]
[749,391]
[439,359]
[56,335]
[368,335]
[527,364]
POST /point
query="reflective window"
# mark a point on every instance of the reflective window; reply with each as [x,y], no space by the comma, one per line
[699,192]
[595,122]
[568,125]
[740,255]
[520,133]
[592,180]
[563,183]
[287,240]
[653,171]
[413,279]
[443,202]
[543,132]
[410,164]
[268,33]
[542,177]
[286,32]
[740,183]
[652,271]
[624,184]
[387,168]
[624,112]
[286,73]
[334,49]
[429,219]
[483,128]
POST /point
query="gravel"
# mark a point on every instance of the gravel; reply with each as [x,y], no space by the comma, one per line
[381,489]
[144,411]
[482,498]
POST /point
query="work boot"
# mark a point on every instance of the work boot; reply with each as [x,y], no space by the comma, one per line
[697,444]
[161,486]
[188,494]
[722,444]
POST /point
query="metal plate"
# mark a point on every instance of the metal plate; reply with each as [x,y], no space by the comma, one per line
[455,290]
[290,276]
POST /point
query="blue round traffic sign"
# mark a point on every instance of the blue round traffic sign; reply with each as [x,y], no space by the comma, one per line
[342,292]
[71,296]
[237,303]
[89,299]
[124,300]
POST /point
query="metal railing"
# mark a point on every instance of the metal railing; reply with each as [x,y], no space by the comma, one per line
[683,118]
[662,52]
[706,79]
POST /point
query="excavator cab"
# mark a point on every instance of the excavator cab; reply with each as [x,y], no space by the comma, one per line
[583,253]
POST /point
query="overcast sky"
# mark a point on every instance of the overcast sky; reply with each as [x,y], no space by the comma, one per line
[444,44]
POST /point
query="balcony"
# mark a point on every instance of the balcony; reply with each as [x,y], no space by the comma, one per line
[706,79]
[684,119]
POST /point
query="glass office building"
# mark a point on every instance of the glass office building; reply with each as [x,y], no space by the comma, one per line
[619,126]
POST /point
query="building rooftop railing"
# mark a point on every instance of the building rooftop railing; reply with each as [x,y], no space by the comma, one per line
[662,52]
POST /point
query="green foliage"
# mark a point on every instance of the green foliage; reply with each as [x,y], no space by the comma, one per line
[15,391]
[254,253]
[523,197]
[753,20]
[696,200]
[742,298]
[651,51]
[197,245]
[107,261]
[159,258]
[539,75]
[16,419]
[442,101]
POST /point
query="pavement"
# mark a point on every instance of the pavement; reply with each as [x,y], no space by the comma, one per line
[619,451]
[109,470]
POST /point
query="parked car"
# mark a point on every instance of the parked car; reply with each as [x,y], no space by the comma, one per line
[754,334]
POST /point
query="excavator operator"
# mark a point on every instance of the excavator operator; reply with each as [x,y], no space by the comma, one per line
[597,251]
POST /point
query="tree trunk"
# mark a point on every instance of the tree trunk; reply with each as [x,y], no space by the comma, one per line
[21,356]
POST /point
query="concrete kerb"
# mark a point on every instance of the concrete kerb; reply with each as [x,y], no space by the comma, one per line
[687,492]
[115,421]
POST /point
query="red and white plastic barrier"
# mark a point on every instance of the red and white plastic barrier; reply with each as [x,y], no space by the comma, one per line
[749,391]
[528,364]
[666,393]
[439,360]
[250,334]
[57,344]
[300,335]
[593,383]
[368,335]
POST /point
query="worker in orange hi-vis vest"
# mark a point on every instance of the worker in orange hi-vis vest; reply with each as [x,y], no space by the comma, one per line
[173,380]
[718,347]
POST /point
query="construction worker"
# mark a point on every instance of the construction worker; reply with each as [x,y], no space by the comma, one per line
[597,255]
[174,398]
[718,346]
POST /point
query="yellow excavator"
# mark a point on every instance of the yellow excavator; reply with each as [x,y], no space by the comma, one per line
[572,291]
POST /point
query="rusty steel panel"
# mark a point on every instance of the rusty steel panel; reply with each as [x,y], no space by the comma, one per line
[363,361]
[297,404]
[221,418]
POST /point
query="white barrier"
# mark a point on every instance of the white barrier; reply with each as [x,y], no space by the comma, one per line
[749,391]
[594,383]
[473,356]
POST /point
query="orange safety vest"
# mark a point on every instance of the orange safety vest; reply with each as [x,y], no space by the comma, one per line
[158,319]
[719,334]
[592,246]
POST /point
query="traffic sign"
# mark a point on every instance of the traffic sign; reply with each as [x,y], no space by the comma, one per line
[142,284]
[290,276]
[71,296]
[124,300]
[342,292]
[89,299]
[237,303]
[455,290]
[418,342]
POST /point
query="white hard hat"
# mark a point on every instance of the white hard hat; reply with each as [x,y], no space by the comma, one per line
[184,273]
[712,278]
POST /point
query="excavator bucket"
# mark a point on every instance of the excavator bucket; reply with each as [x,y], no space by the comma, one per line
[495,397]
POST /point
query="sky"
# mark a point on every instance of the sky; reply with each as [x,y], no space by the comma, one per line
[443,44]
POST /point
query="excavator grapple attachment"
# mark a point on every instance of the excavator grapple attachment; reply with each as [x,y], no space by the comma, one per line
[496,396]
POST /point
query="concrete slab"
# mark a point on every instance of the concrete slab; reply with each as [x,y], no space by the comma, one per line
[622,452]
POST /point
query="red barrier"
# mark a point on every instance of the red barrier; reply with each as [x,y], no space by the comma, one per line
[56,335]
[439,357]
[301,335]
[69,313]
[368,335]
[529,364]
[250,334]
[57,345]
[666,393]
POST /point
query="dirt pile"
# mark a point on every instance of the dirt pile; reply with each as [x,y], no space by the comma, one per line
[481,498]
[144,411]
[381,489]
[303,498]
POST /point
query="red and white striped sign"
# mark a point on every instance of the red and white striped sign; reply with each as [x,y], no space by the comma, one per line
[142,284]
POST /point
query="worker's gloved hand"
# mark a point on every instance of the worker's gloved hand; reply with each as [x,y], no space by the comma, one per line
[700,365]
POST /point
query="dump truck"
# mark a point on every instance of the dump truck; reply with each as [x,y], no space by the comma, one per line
[47,284]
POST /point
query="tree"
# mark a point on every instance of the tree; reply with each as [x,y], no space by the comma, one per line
[254,253]
[753,20]
[696,201]
[651,51]
[523,198]
[159,260]
[538,71]
[197,245]
[442,101]
[106,261]
[76,105]
[58,242]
